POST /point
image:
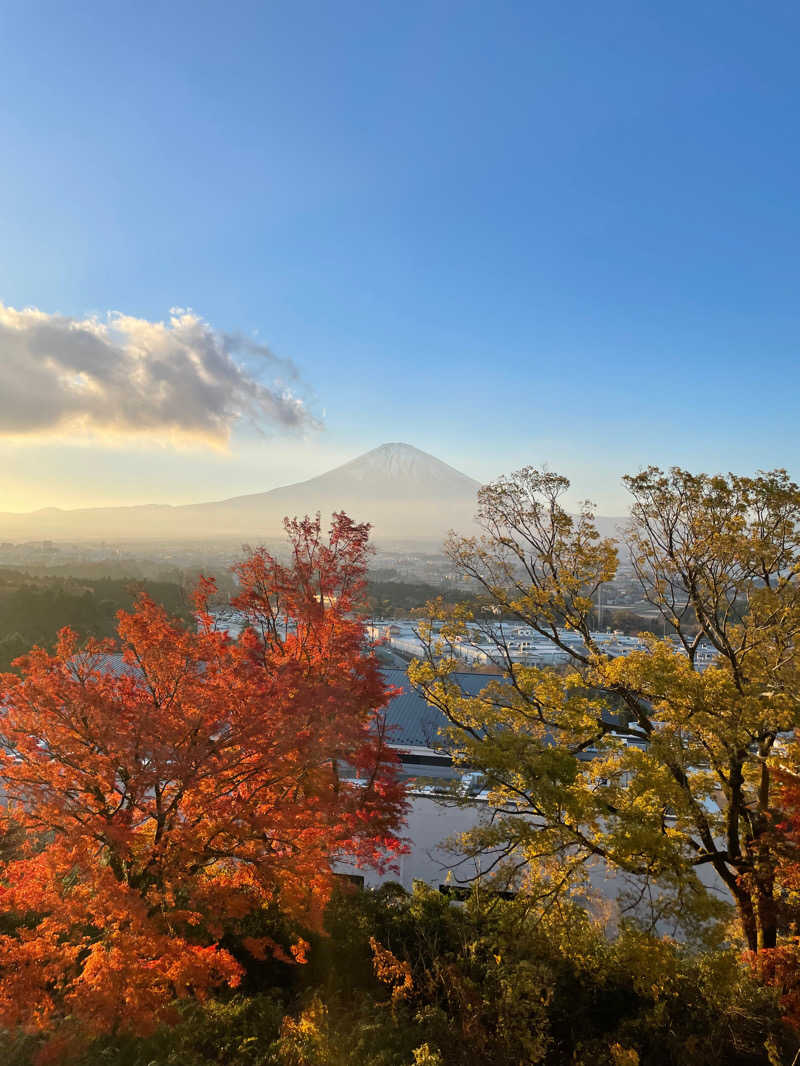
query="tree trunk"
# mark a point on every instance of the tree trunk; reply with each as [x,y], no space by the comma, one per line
[747,920]
[766,914]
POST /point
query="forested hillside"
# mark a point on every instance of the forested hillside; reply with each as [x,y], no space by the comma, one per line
[34,609]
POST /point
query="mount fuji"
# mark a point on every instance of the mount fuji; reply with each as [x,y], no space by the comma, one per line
[405,493]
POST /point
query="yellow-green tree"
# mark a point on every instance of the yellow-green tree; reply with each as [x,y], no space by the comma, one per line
[659,763]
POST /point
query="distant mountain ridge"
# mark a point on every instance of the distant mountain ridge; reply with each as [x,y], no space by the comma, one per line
[405,493]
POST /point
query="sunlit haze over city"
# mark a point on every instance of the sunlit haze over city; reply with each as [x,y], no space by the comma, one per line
[506,234]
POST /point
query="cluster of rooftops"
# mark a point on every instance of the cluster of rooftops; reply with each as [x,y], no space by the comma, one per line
[481,644]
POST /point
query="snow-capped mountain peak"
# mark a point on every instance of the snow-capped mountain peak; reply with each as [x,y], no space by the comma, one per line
[399,462]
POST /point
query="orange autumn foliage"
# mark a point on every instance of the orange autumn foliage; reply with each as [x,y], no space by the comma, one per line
[780,966]
[169,792]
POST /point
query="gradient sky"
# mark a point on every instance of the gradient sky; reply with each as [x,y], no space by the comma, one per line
[505,233]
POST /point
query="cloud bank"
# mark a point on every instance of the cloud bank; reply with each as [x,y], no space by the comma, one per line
[125,376]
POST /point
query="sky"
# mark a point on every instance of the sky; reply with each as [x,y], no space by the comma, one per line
[241,243]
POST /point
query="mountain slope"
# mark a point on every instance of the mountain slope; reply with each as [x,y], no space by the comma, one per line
[405,493]
[402,491]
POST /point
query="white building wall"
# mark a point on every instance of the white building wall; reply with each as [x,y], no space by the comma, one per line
[430,822]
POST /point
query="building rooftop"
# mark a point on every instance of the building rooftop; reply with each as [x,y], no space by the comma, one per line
[412,721]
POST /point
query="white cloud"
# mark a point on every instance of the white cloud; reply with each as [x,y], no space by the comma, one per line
[126,376]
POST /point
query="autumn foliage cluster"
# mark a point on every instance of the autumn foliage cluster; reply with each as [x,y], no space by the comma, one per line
[174,804]
[164,791]
[779,967]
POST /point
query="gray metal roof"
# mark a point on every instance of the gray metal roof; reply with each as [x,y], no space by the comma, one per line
[415,724]
[412,721]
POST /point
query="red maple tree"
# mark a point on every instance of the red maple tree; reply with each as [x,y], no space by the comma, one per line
[174,785]
[780,966]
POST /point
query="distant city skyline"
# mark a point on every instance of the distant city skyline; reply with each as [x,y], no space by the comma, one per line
[507,234]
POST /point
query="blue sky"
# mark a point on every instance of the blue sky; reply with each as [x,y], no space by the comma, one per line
[506,233]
